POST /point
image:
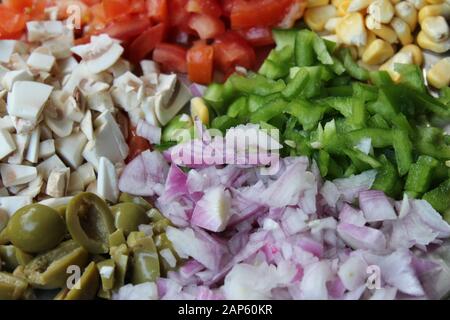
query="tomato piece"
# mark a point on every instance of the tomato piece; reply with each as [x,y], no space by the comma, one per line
[207,27]
[157,10]
[294,13]
[200,60]
[11,22]
[138,6]
[257,36]
[127,29]
[146,42]
[18,5]
[171,56]
[208,7]
[231,50]
[258,13]
[91,2]
[179,17]
[227,6]
[116,8]
[137,145]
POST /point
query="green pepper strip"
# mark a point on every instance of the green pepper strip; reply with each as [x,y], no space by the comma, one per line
[420,174]
[439,197]
[351,66]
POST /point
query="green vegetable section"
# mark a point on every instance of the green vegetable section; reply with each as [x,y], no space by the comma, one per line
[348,119]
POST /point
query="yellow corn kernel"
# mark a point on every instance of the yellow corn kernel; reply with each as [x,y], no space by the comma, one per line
[316,17]
[415,52]
[426,42]
[433,10]
[342,8]
[370,38]
[331,24]
[332,38]
[436,28]
[381,10]
[383,31]
[402,30]
[439,74]
[377,52]
[407,12]
[336,2]
[358,5]
[370,67]
[317,3]
[399,57]
[351,31]
[434,1]
[199,110]
[418,4]
[394,2]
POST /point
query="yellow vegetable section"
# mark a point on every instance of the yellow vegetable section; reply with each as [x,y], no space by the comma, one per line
[385,32]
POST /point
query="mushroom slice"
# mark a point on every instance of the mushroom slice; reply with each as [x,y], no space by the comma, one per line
[7,124]
[75,183]
[149,67]
[86,173]
[126,91]
[164,112]
[44,30]
[8,47]
[119,68]
[41,61]
[101,102]
[34,188]
[21,141]
[62,128]
[100,54]
[60,46]
[10,77]
[67,65]
[148,107]
[109,130]
[107,182]
[12,204]
[86,125]
[27,99]
[70,148]
[46,148]
[58,182]
[13,175]
[166,88]
[52,163]
[23,126]
[7,145]
[32,154]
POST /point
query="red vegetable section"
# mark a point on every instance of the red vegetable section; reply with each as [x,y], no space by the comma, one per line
[169,30]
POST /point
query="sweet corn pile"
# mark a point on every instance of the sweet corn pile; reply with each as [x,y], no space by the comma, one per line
[384,32]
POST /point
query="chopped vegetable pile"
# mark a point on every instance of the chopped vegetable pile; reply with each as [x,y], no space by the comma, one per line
[347,118]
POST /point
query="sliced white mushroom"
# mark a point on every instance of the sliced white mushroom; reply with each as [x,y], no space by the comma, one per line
[67,65]
[107,182]
[56,202]
[32,154]
[148,107]
[40,61]
[61,127]
[7,124]
[10,77]
[44,30]
[60,46]
[86,126]
[7,145]
[27,99]
[17,62]
[21,141]
[101,101]
[8,47]
[126,91]
[58,182]
[86,173]
[72,110]
[34,188]
[13,175]
[119,68]
[91,154]
[100,54]
[149,67]
[4,192]
[23,126]
[14,190]
[109,135]
[92,187]
[46,133]
[166,87]
[75,183]
[12,204]
[46,148]
[165,113]
[135,115]
[45,167]
[70,148]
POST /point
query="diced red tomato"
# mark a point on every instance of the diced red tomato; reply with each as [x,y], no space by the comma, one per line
[146,42]
[230,50]
[18,5]
[200,63]
[257,36]
[157,10]
[207,27]
[91,2]
[137,145]
[171,56]
[116,8]
[127,29]
[227,6]
[208,7]
[258,13]
[179,17]
[11,22]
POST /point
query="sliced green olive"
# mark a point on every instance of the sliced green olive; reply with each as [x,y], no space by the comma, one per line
[90,222]
[161,225]
[61,294]
[35,228]
[8,257]
[120,255]
[106,269]
[87,286]
[12,287]
[4,218]
[125,197]
[22,257]
[116,238]
[104,294]
[128,216]
[162,243]
[155,215]
[49,270]
[145,263]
